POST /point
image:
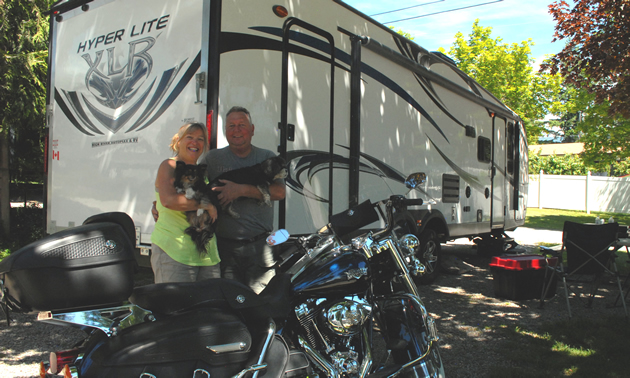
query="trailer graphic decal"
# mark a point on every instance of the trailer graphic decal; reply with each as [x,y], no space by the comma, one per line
[242,41]
[304,164]
[111,92]
[467,177]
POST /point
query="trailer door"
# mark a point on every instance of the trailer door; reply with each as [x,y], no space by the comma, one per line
[306,125]
[122,83]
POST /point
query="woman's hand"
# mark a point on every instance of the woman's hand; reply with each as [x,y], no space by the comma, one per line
[211,209]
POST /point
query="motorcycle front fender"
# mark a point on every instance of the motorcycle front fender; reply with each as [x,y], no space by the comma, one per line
[411,335]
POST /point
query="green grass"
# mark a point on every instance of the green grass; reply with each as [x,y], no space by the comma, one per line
[567,348]
[552,219]
[572,347]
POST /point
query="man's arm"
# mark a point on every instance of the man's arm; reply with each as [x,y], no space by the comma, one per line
[231,191]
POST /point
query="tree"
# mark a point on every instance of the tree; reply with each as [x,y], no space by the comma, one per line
[23,66]
[606,138]
[403,33]
[506,70]
[597,52]
[557,164]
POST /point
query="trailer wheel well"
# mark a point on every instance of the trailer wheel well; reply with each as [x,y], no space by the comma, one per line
[433,220]
[439,227]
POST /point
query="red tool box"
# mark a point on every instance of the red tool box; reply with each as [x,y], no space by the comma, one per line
[521,276]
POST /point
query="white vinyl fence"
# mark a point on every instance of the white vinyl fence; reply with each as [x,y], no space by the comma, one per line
[584,193]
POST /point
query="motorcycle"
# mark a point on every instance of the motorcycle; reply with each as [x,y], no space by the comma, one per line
[340,305]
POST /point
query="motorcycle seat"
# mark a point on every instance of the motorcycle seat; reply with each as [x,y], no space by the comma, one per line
[170,298]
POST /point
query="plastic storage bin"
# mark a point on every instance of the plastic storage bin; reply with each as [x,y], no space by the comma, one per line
[521,276]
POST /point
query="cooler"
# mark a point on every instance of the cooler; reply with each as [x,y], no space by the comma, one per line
[521,276]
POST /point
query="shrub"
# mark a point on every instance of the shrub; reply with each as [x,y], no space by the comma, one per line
[27,226]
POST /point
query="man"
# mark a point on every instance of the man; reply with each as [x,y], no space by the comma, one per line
[245,255]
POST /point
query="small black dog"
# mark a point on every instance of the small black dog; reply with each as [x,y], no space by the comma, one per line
[190,180]
[259,175]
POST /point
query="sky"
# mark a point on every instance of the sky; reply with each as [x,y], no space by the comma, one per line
[512,20]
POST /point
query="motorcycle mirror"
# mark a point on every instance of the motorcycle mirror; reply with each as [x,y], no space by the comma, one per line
[278,237]
[415,179]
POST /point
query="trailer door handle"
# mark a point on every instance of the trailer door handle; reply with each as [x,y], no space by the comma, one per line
[200,78]
[291,133]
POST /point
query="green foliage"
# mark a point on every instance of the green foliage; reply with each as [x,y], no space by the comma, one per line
[506,70]
[4,253]
[403,33]
[596,56]
[558,165]
[27,226]
[606,138]
[23,69]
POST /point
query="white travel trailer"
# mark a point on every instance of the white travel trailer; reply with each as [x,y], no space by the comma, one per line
[353,106]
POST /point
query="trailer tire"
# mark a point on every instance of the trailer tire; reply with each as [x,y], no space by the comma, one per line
[430,254]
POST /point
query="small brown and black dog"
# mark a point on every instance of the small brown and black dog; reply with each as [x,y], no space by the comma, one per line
[190,180]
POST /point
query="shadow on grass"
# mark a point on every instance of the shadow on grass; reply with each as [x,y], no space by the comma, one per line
[568,348]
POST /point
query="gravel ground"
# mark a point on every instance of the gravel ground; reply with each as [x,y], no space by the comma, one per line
[463,303]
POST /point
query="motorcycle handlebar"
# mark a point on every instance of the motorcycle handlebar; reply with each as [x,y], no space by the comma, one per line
[413,202]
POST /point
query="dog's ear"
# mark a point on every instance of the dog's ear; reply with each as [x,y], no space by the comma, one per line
[202,167]
[179,164]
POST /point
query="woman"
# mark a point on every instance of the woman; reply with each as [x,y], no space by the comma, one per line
[174,257]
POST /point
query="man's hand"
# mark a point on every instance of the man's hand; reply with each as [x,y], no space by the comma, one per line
[154,211]
[228,192]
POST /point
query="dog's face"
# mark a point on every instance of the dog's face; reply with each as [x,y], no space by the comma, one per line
[187,175]
[275,168]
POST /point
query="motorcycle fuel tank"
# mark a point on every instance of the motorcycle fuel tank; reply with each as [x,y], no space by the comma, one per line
[342,270]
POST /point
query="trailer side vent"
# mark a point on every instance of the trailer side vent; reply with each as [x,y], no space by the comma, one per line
[450,188]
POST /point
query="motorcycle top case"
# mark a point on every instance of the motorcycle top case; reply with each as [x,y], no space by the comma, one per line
[72,269]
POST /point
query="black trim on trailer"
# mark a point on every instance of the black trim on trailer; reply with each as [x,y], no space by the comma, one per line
[493,172]
[214,64]
[355,118]
[396,57]
[64,6]
[517,165]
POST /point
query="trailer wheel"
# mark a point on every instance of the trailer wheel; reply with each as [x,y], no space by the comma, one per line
[430,254]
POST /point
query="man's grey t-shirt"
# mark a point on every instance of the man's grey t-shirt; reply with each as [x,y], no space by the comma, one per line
[255,218]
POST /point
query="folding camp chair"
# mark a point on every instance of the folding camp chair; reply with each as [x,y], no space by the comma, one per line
[591,253]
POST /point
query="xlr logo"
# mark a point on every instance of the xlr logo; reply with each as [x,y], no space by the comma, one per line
[120,90]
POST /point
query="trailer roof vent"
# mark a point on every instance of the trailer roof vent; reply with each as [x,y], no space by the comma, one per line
[280,11]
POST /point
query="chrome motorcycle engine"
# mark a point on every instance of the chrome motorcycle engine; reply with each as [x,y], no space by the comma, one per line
[337,334]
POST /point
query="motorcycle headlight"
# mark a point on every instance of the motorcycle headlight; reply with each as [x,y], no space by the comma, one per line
[409,242]
[347,317]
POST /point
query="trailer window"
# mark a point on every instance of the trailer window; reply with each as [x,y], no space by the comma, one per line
[484,150]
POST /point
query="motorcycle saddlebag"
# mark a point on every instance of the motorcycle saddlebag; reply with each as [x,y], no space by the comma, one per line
[214,340]
[76,268]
